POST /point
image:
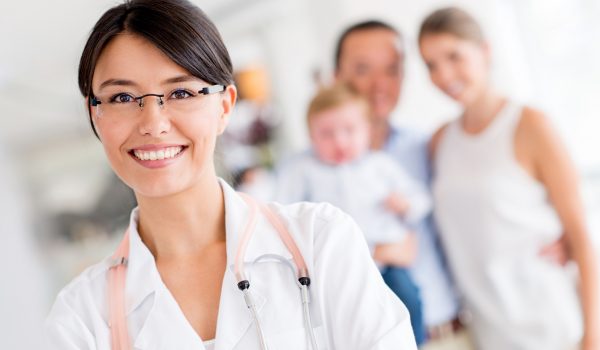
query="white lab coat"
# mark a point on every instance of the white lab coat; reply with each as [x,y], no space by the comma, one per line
[351,306]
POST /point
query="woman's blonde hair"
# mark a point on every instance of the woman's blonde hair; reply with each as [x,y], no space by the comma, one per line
[335,96]
[454,21]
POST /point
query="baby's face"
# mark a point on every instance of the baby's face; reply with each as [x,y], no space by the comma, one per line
[340,134]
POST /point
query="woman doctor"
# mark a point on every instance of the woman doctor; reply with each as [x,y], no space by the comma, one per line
[201,266]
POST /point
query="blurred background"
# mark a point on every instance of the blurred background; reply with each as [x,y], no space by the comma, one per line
[60,204]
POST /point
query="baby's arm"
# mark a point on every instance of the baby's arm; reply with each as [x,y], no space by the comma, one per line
[401,253]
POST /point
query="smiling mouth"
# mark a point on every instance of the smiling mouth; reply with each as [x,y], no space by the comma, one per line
[160,154]
[455,89]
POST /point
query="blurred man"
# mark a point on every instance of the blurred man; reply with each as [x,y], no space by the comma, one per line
[370,57]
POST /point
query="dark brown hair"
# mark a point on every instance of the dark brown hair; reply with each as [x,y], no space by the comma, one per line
[176,27]
[454,21]
[358,27]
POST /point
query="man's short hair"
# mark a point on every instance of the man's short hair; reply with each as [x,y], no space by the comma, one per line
[360,26]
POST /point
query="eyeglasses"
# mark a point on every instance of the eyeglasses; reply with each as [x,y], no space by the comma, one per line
[178,101]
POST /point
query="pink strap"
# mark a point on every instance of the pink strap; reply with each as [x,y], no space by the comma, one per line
[238,266]
[119,335]
[287,239]
[283,232]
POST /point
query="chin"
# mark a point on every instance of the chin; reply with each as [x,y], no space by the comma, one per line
[158,189]
[381,114]
[465,100]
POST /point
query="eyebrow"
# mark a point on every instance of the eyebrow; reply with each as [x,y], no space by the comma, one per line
[181,79]
[124,82]
[118,82]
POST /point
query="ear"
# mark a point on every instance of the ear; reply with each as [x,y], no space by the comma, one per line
[228,99]
[336,76]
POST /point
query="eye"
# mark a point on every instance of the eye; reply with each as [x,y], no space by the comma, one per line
[122,98]
[361,69]
[454,56]
[180,94]
[431,66]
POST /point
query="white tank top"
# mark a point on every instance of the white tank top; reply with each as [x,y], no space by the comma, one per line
[494,218]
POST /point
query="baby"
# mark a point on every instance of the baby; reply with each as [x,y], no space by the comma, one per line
[380,196]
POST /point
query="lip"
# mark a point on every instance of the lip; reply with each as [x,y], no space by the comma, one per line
[454,89]
[159,163]
[155,147]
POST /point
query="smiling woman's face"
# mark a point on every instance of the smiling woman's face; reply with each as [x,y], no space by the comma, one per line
[156,150]
[458,67]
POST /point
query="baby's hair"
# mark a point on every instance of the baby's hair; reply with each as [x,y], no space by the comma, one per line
[334,96]
[454,21]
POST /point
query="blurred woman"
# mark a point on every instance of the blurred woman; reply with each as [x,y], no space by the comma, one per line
[505,187]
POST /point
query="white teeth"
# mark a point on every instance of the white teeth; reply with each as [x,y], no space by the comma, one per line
[164,153]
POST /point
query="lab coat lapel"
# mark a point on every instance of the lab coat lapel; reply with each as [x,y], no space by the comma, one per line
[165,317]
[234,319]
[144,285]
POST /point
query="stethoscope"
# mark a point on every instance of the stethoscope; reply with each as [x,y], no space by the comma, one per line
[117,273]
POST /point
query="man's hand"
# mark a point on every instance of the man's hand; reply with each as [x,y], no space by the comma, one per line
[557,251]
[396,203]
[401,254]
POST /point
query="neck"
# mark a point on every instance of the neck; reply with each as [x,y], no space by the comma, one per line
[185,223]
[380,131]
[479,114]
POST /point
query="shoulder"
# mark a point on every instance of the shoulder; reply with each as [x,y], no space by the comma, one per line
[534,131]
[410,136]
[533,123]
[74,299]
[317,221]
[436,139]
[315,214]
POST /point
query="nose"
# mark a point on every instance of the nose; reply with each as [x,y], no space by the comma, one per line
[339,139]
[153,121]
[381,81]
[444,74]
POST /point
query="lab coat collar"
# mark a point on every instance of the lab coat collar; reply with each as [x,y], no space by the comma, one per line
[234,319]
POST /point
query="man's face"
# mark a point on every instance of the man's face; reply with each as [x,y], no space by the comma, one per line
[371,60]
